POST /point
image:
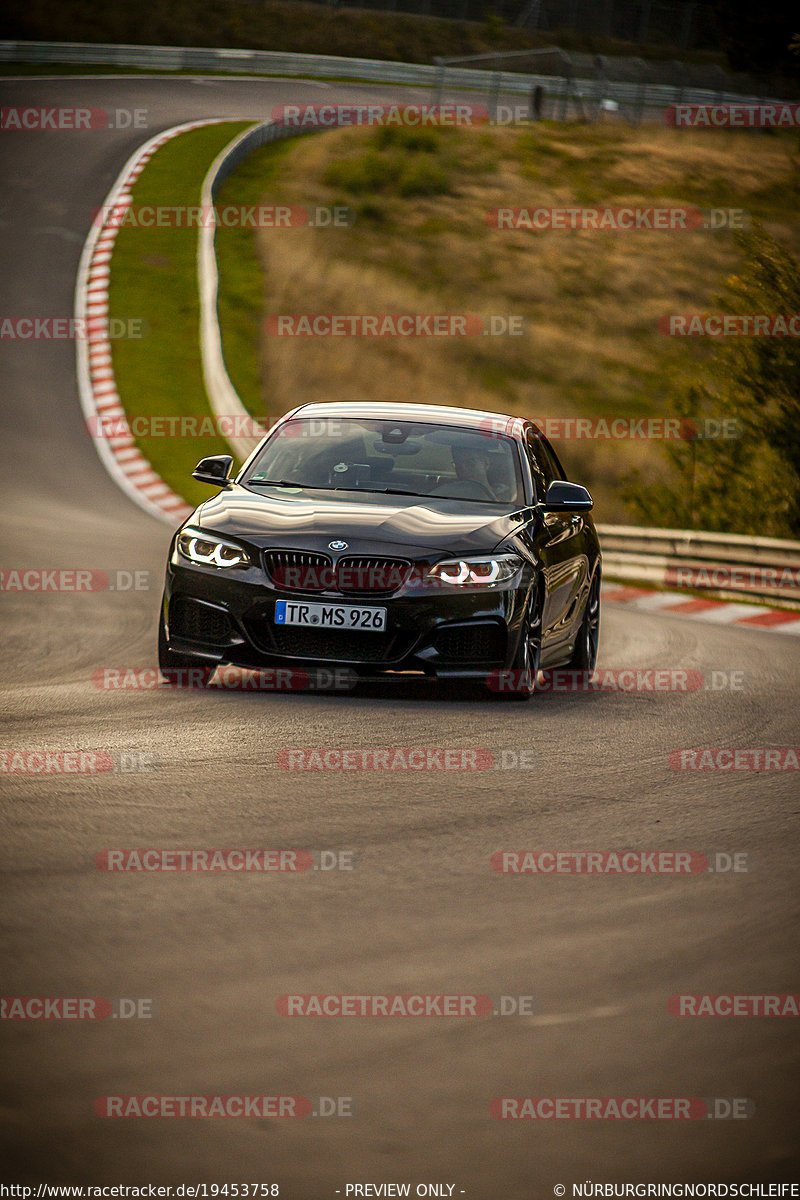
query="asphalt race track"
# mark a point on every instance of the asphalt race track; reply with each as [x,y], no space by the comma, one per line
[422,910]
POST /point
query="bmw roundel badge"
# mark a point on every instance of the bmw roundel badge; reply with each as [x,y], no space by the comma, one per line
[337,545]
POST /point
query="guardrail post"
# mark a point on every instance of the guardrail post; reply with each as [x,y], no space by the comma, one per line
[565,91]
[497,79]
[441,70]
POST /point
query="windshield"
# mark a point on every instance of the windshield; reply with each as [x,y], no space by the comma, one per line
[393,457]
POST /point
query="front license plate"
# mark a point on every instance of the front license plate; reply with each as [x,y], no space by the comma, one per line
[329,616]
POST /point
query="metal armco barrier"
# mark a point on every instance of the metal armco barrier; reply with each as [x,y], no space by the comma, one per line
[763,569]
[261,62]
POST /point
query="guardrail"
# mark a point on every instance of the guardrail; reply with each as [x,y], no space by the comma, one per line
[317,66]
[725,564]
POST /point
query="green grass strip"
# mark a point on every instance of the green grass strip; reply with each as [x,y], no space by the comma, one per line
[154,279]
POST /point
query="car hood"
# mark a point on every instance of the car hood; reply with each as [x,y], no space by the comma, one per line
[369,523]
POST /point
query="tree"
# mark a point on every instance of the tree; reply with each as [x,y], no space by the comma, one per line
[748,483]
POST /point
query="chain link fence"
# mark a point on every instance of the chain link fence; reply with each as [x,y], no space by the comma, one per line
[561,85]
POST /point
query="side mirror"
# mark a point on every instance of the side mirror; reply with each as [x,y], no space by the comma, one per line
[214,470]
[567,497]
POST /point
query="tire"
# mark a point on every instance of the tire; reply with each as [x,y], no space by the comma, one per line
[181,670]
[525,666]
[584,656]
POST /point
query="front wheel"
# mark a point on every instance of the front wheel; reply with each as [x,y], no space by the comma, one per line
[181,670]
[584,656]
[519,683]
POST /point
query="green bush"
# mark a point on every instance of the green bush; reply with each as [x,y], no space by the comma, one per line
[407,138]
[423,178]
[369,172]
[398,161]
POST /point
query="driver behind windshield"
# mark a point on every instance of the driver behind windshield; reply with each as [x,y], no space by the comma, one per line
[472,466]
[473,479]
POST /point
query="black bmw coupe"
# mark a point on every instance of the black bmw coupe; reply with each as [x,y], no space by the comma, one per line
[387,538]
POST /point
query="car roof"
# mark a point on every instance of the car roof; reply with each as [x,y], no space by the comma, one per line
[467,418]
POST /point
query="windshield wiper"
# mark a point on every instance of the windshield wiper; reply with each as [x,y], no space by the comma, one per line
[390,492]
[287,483]
[423,495]
[330,487]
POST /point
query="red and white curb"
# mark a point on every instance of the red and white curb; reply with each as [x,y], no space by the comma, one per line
[97,388]
[719,612]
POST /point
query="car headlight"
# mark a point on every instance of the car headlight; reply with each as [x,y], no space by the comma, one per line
[476,572]
[210,550]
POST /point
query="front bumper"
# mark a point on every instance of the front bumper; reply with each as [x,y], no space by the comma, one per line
[227,616]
